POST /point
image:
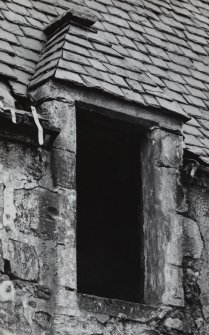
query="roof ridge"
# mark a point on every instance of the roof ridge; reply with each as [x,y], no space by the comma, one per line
[79,14]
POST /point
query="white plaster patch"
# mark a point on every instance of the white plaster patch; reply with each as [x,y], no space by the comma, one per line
[6,291]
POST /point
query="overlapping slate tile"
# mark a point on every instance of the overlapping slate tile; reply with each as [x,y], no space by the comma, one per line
[13,17]
[7,71]
[19,89]
[91,82]
[11,27]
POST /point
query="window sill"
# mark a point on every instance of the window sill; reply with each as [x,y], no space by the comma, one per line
[121,309]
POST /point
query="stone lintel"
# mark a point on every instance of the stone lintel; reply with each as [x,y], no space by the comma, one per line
[81,96]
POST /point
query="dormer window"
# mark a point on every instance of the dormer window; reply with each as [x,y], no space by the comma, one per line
[110,257]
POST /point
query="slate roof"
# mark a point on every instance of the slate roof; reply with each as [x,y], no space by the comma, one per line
[154,52]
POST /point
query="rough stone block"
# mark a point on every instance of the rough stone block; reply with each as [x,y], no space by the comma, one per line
[45,214]
[66,302]
[24,261]
[1,258]
[21,166]
[173,252]
[42,321]
[174,293]
[51,91]
[61,115]
[66,227]
[47,263]
[167,148]
[133,329]
[163,236]
[8,319]
[66,269]
[64,324]
[192,243]
[27,205]
[1,203]
[63,168]
[175,323]
[196,243]
[5,332]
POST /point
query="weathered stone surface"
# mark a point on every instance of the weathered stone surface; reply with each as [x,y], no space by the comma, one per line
[13,320]
[8,319]
[48,265]
[57,91]
[162,228]
[197,251]
[66,121]
[1,203]
[89,326]
[193,243]
[1,258]
[67,270]
[151,332]
[29,169]
[24,261]
[36,212]
[27,204]
[64,325]
[42,320]
[173,324]
[167,148]
[174,293]
[5,332]
[32,308]
[45,214]
[116,308]
[63,168]
[22,255]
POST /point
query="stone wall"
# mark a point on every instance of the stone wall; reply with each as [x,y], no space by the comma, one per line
[196,251]
[38,291]
[25,241]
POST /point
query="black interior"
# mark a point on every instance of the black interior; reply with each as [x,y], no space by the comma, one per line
[109,225]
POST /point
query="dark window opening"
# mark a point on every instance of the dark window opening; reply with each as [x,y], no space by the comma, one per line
[109,224]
